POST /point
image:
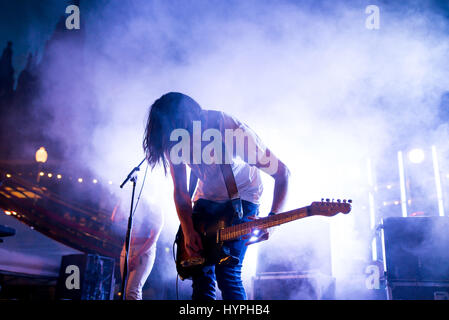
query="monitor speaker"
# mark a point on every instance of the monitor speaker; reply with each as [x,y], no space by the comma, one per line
[416,248]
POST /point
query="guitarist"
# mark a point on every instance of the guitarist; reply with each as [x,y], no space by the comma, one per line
[176,110]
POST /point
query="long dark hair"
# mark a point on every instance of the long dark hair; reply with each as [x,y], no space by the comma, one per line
[171,111]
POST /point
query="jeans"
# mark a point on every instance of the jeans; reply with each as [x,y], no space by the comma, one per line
[227,277]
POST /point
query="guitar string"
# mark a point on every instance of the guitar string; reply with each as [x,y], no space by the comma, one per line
[243,228]
[239,230]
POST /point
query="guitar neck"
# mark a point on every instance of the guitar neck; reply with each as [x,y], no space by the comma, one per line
[236,231]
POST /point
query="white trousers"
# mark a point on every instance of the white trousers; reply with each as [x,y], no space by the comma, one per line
[139,275]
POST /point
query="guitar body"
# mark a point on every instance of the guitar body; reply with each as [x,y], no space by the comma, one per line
[208,227]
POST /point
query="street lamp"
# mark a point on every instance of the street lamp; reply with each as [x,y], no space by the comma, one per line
[41,157]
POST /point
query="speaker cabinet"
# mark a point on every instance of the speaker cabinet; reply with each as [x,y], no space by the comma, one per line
[302,246]
[293,286]
[402,290]
[416,249]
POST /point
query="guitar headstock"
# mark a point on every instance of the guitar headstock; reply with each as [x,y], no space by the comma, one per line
[330,208]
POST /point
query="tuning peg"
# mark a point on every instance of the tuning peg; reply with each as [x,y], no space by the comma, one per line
[344,200]
[327,200]
[338,200]
[350,201]
[322,199]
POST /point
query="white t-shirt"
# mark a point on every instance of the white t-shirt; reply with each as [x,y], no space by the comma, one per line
[211,184]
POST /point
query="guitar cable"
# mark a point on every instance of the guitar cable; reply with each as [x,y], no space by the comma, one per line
[141,189]
[193,179]
[177,274]
[177,294]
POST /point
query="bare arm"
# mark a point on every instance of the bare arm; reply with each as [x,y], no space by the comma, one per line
[181,196]
[183,205]
[281,181]
[266,161]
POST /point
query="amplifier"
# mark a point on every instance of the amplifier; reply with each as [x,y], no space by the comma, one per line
[86,277]
[416,249]
[402,290]
[293,286]
[306,247]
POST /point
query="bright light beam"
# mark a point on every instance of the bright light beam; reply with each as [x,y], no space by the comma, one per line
[436,171]
[402,184]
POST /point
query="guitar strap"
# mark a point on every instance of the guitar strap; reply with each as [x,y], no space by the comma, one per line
[231,186]
[229,179]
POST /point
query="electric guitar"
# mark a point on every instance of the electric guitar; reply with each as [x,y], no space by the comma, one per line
[214,231]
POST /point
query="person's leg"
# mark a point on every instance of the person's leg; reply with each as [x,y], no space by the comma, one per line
[139,275]
[229,280]
[203,284]
[229,277]
[131,292]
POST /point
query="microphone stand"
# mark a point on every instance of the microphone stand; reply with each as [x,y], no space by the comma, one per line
[133,177]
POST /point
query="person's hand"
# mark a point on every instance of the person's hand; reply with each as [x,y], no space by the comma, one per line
[258,235]
[193,243]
